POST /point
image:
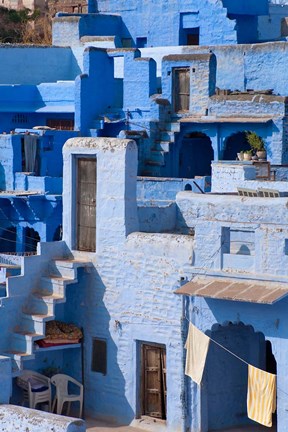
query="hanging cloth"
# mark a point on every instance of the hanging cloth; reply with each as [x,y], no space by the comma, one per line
[261,396]
[197,345]
[30,149]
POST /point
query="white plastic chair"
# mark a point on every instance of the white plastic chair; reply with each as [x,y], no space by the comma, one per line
[61,383]
[36,388]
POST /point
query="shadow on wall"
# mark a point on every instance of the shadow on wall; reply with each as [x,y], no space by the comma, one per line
[86,308]
[2,178]
[226,376]
[8,239]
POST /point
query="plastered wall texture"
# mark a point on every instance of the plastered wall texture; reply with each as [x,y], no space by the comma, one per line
[18,60]
[227,177]
[139,85]
[129,296]
[266,218]
[35,420]
[162,23]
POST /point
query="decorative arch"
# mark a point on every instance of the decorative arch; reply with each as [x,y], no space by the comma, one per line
[195,155]
[225,380]
[234,144]
[31,238]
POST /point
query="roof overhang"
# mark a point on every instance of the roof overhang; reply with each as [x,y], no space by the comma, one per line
[210,119]
[241,290]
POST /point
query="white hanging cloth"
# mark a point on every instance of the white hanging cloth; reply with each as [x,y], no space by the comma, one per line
[197,345]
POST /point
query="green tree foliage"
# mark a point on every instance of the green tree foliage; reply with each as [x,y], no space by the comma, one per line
[23,26]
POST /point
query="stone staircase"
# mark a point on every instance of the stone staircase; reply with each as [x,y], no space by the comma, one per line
[158,162]
[40,308]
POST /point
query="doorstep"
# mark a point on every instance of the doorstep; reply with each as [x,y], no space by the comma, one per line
[150,424]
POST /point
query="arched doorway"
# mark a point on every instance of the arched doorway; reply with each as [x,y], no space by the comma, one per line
[31,238]
[226,377]
[235,143]
[195,155]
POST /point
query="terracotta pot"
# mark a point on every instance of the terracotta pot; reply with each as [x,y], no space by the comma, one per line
[247,156]
[261,154]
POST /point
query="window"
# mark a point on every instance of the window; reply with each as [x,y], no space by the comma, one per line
[193,36]
[20,119]
[99,356]
[141,42]
[126,42]
[238,242]
[61,124]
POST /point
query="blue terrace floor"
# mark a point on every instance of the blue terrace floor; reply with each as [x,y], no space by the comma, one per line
[98,426]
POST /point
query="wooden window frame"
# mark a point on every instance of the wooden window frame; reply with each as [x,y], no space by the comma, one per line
[175,94]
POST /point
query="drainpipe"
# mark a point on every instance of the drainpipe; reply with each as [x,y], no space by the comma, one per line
[183,395]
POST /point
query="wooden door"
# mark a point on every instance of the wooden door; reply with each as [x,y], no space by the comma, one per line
[86,204]
[154,381]
[181,89]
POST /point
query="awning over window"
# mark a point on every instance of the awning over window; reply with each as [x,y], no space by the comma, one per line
[225,289]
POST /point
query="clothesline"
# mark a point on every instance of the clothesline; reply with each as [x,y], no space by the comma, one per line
[226,349]
[261,385]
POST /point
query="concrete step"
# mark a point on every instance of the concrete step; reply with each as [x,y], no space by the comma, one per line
[157,156]
[60,269]
[24,342]
[35,323]
[40,308]
[17,358]
[54,285]
[162,146]
[8,270]
[170,126]
[150,162]
[43,303]
[147,173]
[167,136]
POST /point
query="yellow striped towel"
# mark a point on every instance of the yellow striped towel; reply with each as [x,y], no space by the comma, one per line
[261,396]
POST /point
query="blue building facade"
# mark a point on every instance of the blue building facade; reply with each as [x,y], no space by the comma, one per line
[156,101]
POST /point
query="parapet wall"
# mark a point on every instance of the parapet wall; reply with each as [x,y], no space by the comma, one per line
[19,418]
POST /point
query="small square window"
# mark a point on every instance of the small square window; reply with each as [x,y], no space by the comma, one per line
[99,356]
[141,42]
[126,42]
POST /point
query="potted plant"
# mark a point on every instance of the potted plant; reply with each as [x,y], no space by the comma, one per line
[257,144]
[240,156]
[247,155]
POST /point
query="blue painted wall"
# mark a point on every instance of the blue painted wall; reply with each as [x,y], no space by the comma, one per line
[246,7]
[162,24]
[194,17]
[98,80]
[45,61]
